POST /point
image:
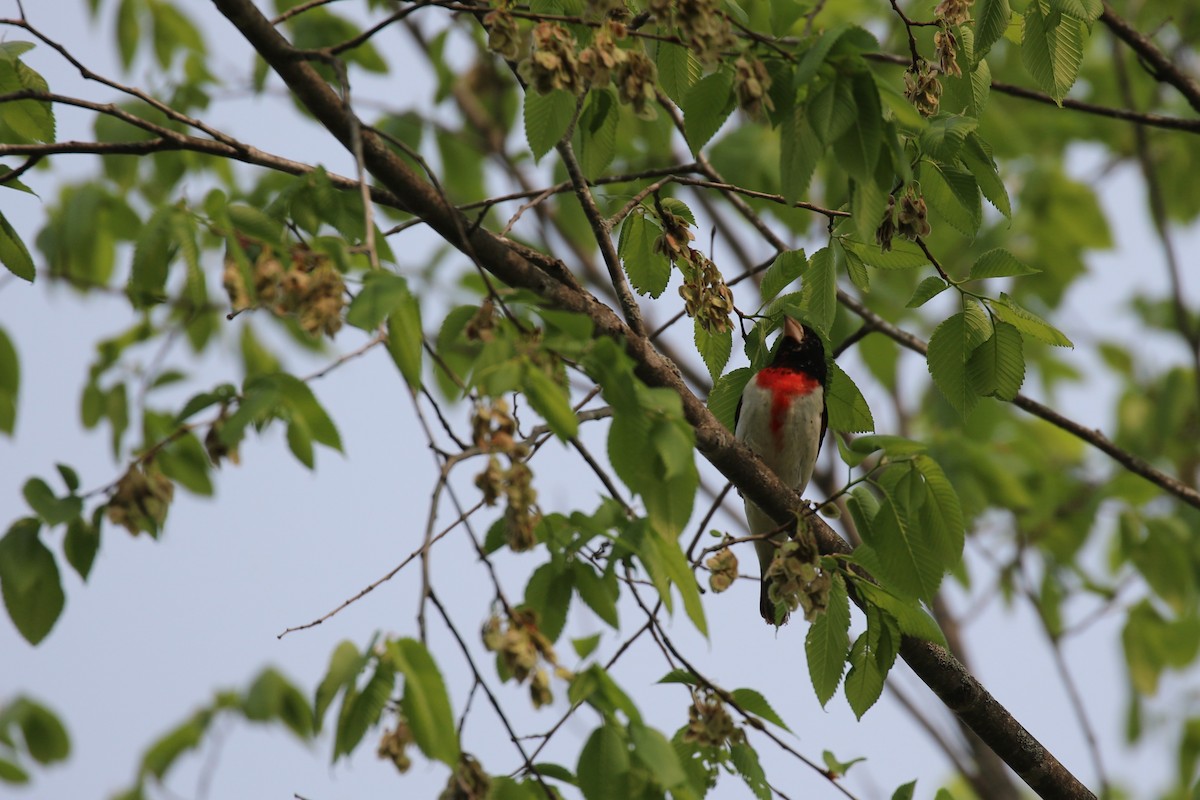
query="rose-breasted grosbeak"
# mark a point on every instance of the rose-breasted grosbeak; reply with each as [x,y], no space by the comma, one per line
[782,417]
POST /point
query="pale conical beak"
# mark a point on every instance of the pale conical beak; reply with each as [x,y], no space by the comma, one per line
[793,329]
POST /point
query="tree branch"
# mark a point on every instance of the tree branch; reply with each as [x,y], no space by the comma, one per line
[1161,67]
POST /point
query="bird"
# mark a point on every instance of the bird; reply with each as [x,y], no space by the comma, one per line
[782,417]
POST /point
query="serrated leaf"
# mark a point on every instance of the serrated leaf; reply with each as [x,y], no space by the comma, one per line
[1086,10]
[546,119]
[596,133]
[857,270]
[894,446]
[406,339]
[603,768]
[903,255]
[13,253]
[706,107]
[977,158]
[907,563]
[799,151]
[787,267]
[857,148]
[1028,323]
[727,393]
[991,20]
[550,400]
[828,641]
[344,665]
[426,704]
[649,271]
[599,595]
[944,136]
[714,347]
[953,193]
[999,263]
[864,681]
[756,704]
[950,346]
[926,290]
[745,761]
[678,70]
[819,292]
[847,408]
[941,515]
[361,710]
[1052,49]
[997,367]
[656,754]
[381,293]
[29,581]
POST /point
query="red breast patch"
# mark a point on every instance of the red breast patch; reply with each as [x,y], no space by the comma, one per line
[784,385]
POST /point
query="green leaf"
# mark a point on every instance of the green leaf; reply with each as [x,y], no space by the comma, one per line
[678,70]
[857,148]
[26,121]
[753,702]
[1086,10]
[10,383]
[787,267]
[381,293]
[997,367]
[745,761]
[52,510]
[978,159]
[950,346]
[70,477]
[944,136]
[864,681]
[819,293]
[426,704]
[13,254]
[45,737]
[903,255]
[836,766]
[546,119]
[12,773]
[1052,49]
[29,581]
[585,645]
[676,567]
[940,515]
[599,594]
[926,290]
[549,594]
[406,340]
[828,642]
[167,749]
[894,446]
[596,133]
[999,263]
[361,710]
[303,405]
[727,393]
[253,223]
[847,408]
[657,755]
[679,676]
[991,20]
[648,271]
[603,768]
[1027,322]
[799,151]
[912,618]
[952,192]
[344,664]
[706,107]
[272,697]
[80,546]
[714,348]
[550,400]
[908,562]
[904,792]
[128,29]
